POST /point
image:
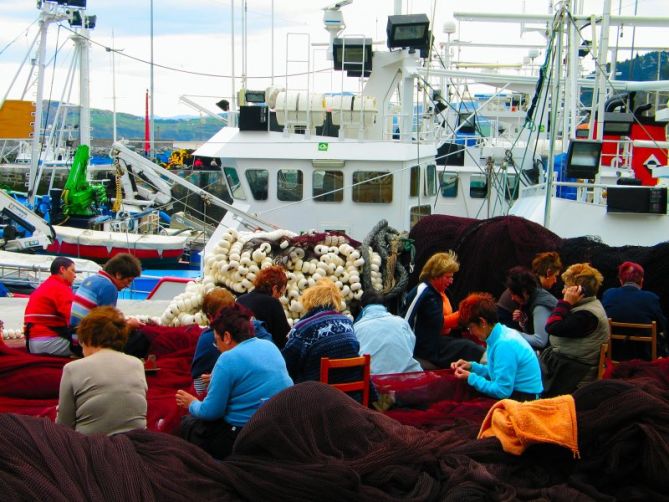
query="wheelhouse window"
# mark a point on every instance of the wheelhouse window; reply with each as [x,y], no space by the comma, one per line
[373,186]
[448,185]
[414,181]
[258,180]
[478,186]
[290,185]
[418,212]
[234,184]
[431,180]
[328,186]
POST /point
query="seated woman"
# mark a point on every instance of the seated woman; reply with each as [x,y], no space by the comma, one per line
[248,372]
[263,301]
[512,370]
[322,332]
[432,318]
[536,304]
[577,328]
[206,352]
[105,392]
[545,267]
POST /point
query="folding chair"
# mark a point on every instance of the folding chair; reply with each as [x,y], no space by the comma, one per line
[354,386]
[633,332]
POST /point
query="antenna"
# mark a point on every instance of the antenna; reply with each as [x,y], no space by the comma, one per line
[334,22]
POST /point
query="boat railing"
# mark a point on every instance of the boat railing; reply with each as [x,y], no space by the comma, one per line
[33,275]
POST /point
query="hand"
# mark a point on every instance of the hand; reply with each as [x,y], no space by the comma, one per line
[573,294]
[461,374]
[134,323]
[461,364]
[517,315]
[184,399]
[206,378]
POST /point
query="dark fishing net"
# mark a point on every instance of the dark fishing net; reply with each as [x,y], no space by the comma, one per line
[486,249]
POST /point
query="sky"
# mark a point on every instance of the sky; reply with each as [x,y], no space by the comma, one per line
[192,44]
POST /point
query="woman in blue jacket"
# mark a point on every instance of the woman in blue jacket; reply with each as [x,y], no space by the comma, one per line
[248,372]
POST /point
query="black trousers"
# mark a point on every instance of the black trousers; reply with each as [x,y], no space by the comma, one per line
[216,437]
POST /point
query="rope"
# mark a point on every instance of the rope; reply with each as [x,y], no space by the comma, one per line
[388,243]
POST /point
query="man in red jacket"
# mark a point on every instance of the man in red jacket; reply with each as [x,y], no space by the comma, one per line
[47,313]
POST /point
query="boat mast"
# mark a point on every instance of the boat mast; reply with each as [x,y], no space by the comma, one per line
[49,13]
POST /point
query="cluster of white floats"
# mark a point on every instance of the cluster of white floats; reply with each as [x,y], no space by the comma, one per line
[235,267]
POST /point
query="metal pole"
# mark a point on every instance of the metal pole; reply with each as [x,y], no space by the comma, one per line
[113,51]
[151,121]
[555,98]
[233,100]
[273,43]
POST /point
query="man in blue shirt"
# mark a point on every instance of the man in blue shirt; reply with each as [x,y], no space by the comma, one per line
[512,370]
[630,303]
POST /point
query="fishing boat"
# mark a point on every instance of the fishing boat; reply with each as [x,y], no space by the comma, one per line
[92,220]
[412,142]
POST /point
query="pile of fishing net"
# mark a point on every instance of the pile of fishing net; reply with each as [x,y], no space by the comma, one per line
[29,383]
[354,267]
[311,442]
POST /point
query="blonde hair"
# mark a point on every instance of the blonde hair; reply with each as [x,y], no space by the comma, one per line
[324,293]
[585,275]
[215,300]
[440,264]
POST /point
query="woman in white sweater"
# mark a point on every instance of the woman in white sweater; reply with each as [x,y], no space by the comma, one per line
[105,392]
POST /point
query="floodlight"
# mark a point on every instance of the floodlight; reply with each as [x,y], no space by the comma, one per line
[255,96]
[353,55]
[90,22]
[583,159]
[618,124]
[408,31]
[75,20]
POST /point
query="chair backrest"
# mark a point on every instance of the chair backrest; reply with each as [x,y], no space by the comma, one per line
[634,332]
[603,350]
[351,362]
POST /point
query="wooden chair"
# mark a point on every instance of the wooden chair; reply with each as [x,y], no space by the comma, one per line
[632,332]
[351,362]
[603,350]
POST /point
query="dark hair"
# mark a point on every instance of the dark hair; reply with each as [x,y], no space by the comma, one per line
[476,306]
[60,261]
[371,297]
[123,264]
[236,320]
[630,271]
[104,327]
[521,280]
[545,263]
[215,300]
[269,277]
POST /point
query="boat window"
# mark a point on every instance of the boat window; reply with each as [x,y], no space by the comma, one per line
[467,122]
[414,181]
[289,185]
[478,186]
[328,186]
[512,187]
[431,180]
[417,212]
[373,186]
[234,184]
[448,185]
[258,181]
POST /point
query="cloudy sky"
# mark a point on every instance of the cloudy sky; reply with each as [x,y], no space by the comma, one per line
[192,44]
